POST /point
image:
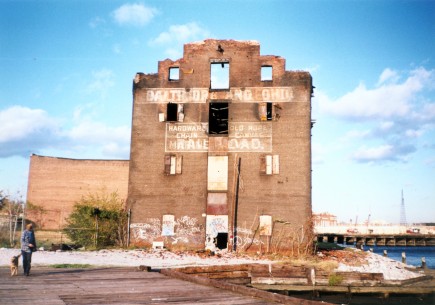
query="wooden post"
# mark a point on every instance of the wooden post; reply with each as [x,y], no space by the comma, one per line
[423,262]
[404,257]
[128,227]
[385,253]
[236,207]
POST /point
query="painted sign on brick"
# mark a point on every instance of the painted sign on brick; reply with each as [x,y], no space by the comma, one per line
[201,95]
[242,137]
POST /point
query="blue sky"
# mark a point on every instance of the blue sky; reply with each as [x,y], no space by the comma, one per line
[66,70]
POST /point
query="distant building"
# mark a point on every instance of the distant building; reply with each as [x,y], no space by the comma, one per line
[324,219]
[221,106]
[56,184]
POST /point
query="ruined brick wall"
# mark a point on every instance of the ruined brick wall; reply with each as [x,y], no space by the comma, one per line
[55,184]
[183,166]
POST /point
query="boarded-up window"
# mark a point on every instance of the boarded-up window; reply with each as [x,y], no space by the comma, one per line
[269,164]
[168,225]
[265,111]
[173,164]
[275,164]
[217,174]
[217,203]
[266,225]
[180,112]
[161,117]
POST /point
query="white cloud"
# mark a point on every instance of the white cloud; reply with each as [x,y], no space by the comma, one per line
[356,134]
[392,119]
[26,130]
[181,33]
[96,21]
[101,82]
[134,14]
[413,133]
[318,153]
[112,142]
[430,161]
[386,125]
[427,114]
[376,153]
[91,132]
[382,153]
[388,75]
[386,101]
[18,122]
[177,35]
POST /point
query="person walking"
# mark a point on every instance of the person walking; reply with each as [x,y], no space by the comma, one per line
[28,246]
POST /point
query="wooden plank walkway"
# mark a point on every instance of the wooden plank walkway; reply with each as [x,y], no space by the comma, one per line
[50,286]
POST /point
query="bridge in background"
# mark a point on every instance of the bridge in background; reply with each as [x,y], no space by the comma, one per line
[410,240]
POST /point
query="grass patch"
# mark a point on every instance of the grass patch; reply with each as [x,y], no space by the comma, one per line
[335,279]
[71,266]
[327,266]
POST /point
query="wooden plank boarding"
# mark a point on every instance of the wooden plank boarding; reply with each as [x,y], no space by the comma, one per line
[49,286]
[279,298]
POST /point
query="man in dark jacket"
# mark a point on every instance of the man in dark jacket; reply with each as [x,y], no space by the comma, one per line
[28,246]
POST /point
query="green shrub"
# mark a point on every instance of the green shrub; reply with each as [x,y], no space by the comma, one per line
[98,221]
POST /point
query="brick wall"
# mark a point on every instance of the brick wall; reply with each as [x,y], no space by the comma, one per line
[55,184]
[286,196]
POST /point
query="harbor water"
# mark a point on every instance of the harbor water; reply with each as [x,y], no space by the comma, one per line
[413,254]
[413,258]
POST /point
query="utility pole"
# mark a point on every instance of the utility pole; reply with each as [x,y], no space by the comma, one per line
[403,212]
[236,206]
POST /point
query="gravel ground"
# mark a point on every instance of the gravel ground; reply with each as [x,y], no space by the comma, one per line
[155,259]
[391,269]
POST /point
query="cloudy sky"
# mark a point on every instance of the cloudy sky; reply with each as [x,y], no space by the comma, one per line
[66,70]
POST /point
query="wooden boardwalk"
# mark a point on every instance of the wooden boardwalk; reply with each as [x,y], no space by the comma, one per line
[50,286]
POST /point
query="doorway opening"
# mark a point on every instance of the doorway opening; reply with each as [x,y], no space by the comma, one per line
[222,241]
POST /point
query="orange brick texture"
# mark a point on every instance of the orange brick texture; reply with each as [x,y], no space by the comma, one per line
[56,184]
[285,196]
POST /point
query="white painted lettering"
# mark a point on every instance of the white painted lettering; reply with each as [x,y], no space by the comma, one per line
[265,94]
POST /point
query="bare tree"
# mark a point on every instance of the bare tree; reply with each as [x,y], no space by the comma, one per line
[13,208]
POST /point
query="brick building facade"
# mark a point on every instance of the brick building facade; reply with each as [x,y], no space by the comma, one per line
[56,184]
[220,108]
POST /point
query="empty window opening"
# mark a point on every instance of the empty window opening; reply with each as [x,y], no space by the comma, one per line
[269,111]
[266,73]
[218,119]
[222,241]
[174,73]
[171,112]
[219,75]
